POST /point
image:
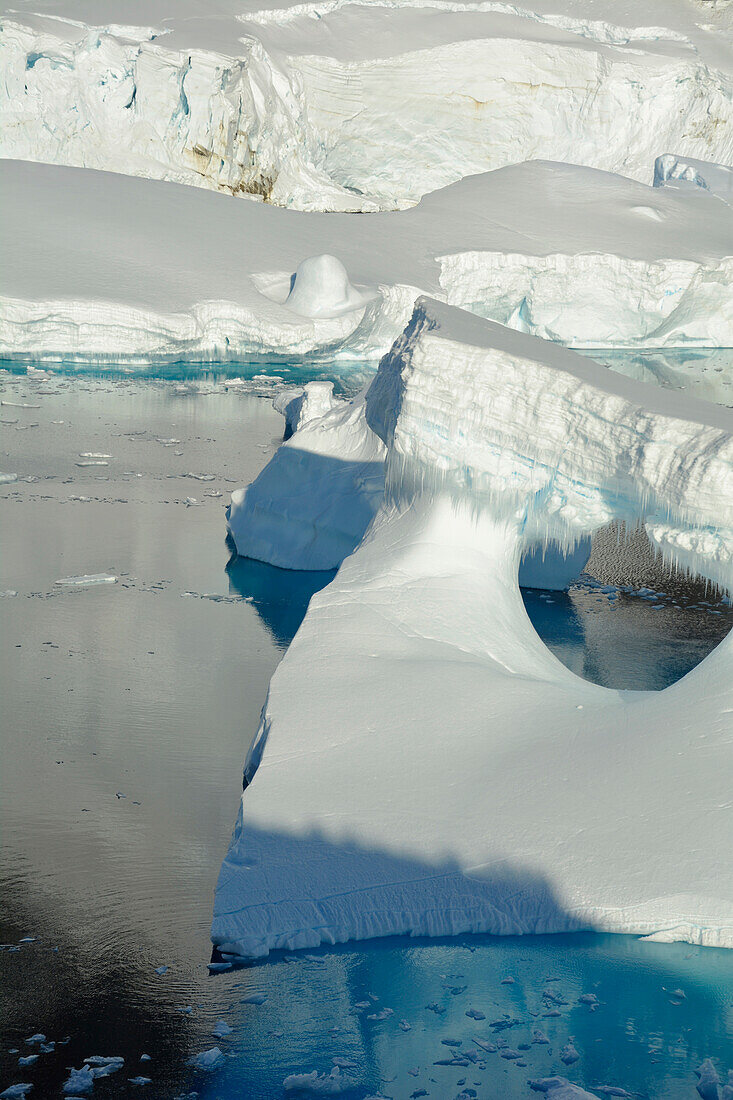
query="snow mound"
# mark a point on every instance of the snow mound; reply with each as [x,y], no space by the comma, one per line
[321,288]
[569,805]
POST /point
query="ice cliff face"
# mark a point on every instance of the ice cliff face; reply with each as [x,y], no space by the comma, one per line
[424,765]
[356,106]
[564,252]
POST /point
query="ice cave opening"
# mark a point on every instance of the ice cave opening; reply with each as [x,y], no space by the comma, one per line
[616,614]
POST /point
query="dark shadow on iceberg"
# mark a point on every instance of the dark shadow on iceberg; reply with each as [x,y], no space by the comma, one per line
[281,892]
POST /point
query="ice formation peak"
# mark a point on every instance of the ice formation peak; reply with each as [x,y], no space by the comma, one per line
[321,288]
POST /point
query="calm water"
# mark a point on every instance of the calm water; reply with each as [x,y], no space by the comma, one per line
[126,713]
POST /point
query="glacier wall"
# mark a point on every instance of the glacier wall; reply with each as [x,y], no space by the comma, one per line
[425,766]
[285,113]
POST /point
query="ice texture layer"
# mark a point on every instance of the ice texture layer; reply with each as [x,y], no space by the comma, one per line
[101,266]
[425,766]
[361,106]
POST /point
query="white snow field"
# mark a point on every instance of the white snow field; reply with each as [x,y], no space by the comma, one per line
[333,105]
[101,265]
[425,766]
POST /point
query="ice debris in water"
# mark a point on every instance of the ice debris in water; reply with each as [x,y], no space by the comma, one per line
[79,1081]
[331,1084]
[708,1081]
[93,454]
[192,502]
[559,1088]
[104,1067]
[39,1037]
[5,479]
[221,1029]
[93,462]
[87,579]
[569,1055]
[159,969]
[208,1059]
[140,1080]
[16,1092]
[28,1060]
[254,999]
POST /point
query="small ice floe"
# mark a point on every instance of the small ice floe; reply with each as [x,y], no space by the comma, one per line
[145,1058]
[213,493]
[218,968]
[93,462]
[254,999]
[192,502]
[93,454]
[6,479]
[8,593]
[19,405]
[221,1029]
[185,1010]
[436,1008]
[589,999]
[383,1015]
[28,1060]
[160,970]
[16,1092]
[102,1066]
[569,1055]
[331,1084]
[79,1081]
[539,1038]
[708,1081]
[87,580]
[507,981]
[201,477]
[166,442]
[404,1026]
[39,1037]
[559,1088]
[140,1080]
[209,1059]
[475,1014]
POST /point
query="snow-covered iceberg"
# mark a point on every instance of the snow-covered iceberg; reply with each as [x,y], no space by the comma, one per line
[361,106]
[100,266]
[425,765]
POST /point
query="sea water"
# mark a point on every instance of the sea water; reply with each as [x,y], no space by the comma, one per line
[127,709]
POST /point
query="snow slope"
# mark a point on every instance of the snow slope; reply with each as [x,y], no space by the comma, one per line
[344,106]
[424,765]
[99,265]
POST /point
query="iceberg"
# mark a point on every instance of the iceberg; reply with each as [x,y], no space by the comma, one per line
[346,106]
[571,254]
[424,765]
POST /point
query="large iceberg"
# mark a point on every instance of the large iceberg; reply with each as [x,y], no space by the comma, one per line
[425,766]
[104,266]
[359,106]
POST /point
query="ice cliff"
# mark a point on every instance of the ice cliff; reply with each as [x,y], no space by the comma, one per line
[104,266]
[360,106]
[424,765]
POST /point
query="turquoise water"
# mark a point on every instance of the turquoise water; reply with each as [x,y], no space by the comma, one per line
[127,711]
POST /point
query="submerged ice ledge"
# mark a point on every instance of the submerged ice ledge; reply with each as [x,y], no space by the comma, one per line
[424,765]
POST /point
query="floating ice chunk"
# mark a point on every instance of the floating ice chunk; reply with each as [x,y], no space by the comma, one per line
[104,1067]
[19,405]
[209,1059]
[79,1081]
[300,405]
[708,1081]
[218,968]
[254,999]
[16,1092]
[569,1055]
[321,288]
[93,454]
[87,579]
[145,1058]
[28,1060]
[93,462]
[221,1029]
[6,479]
[192,502]
[559,1088]
[39,1037]
[331,1084]
[201,477]
[140,1080]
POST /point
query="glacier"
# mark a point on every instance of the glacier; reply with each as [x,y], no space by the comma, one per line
[105,267]
[545,803]
[361,106]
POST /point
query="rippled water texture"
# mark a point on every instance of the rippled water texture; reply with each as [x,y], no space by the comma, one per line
[127,709]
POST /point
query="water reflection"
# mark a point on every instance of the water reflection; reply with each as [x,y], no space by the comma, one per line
[281,596]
